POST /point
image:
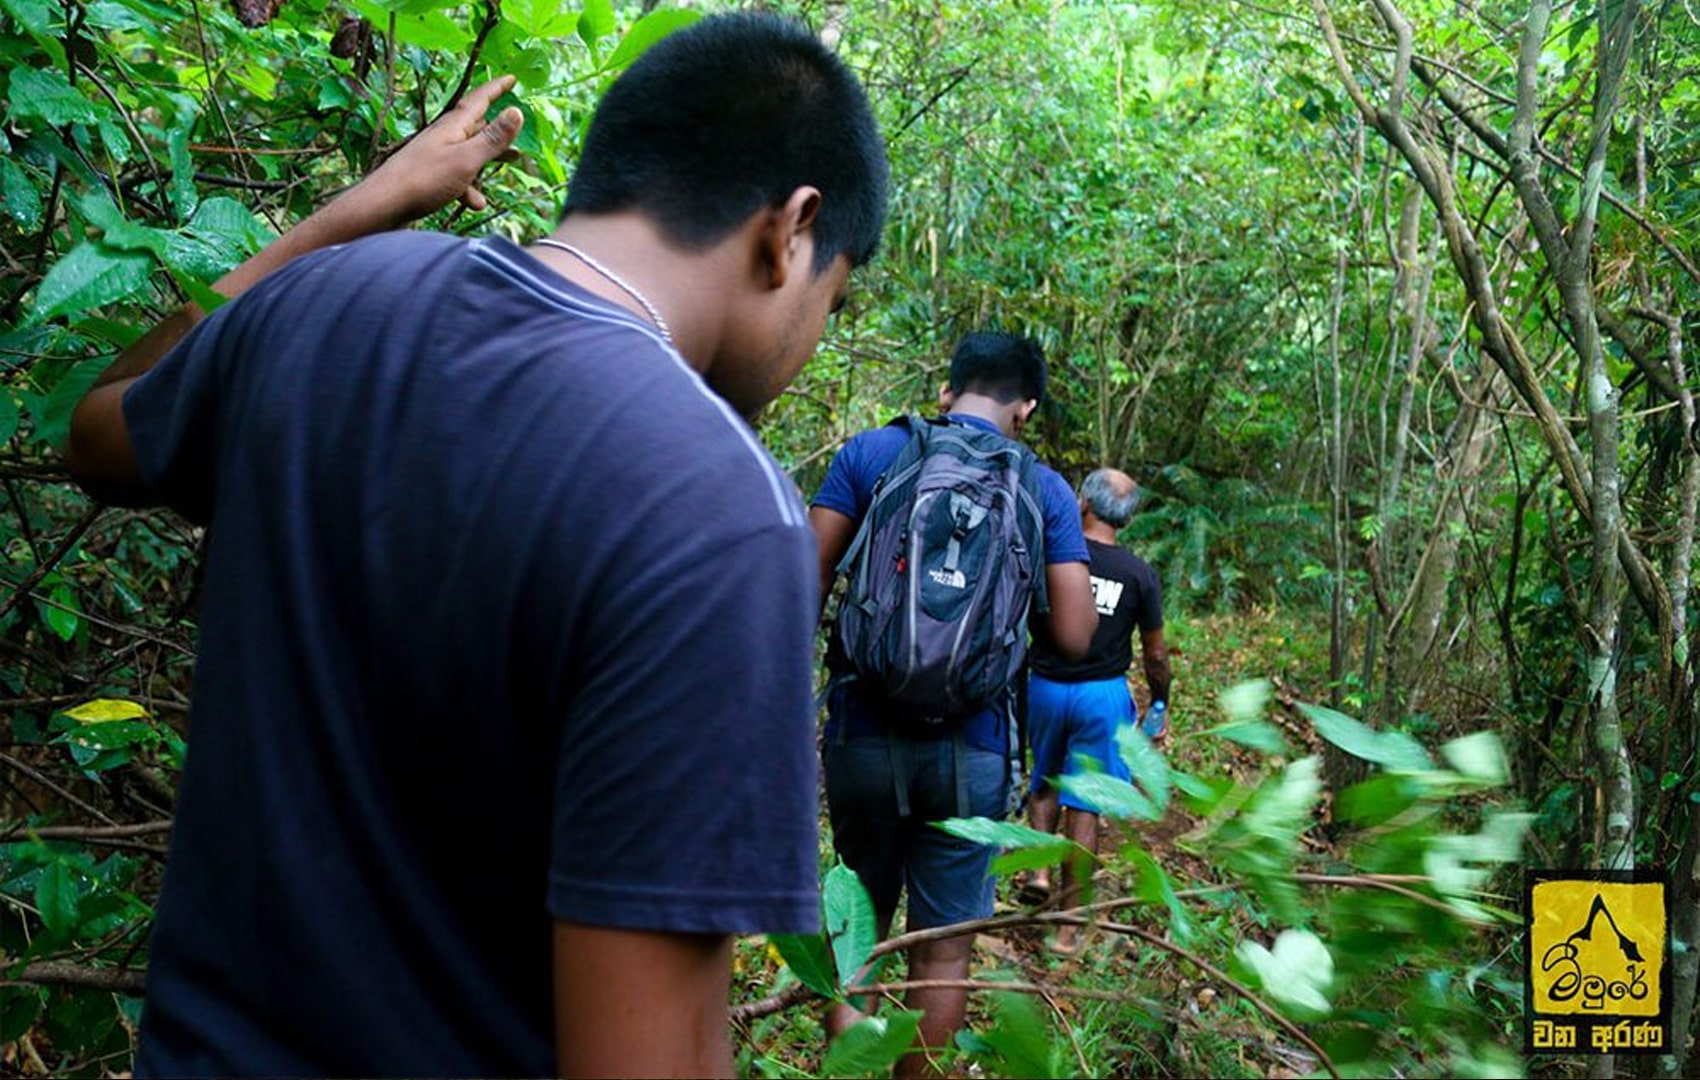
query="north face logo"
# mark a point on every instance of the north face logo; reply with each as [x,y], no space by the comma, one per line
[950,579]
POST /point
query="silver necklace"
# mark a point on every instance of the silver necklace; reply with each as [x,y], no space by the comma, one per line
[630,290]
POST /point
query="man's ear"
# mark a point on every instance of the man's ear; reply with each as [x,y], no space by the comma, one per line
[1024,411]
[780,243]
[946,398]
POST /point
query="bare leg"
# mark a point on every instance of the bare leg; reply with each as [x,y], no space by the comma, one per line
[1083,830]
[843,1015]
[1042,812]
[943,1010]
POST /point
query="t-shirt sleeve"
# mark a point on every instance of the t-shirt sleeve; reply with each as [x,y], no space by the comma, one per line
[686,795]
[849,484]
[172,413]
[1064,540]
[1150,612]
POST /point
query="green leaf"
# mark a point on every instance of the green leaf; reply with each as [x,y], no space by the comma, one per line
[998,834]
[647,31]
[91,276]
[36,16]
[19,1007]
[1246,701]
[57,893]
[1147,764]
[1203,796]
[872,1046]
[52,411]
[1257,734]
[1479,756]
[1377,799]
[1019,1037]
[106,710]
[1154,886]
[19,195]
[810,958]
[597,21]
[1297,972]
[1111,795]
[8,415]
[540,18]
[417,24]
[1393,750]
[46,95]
[850,921]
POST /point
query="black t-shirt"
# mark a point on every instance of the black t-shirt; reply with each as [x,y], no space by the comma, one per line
[507,617]
[1128,596]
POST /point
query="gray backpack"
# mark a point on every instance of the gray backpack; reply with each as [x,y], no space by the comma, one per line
[944,569]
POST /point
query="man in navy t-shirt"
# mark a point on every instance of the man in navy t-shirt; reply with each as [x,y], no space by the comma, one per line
[502,716]
[887,781]
[1079,708]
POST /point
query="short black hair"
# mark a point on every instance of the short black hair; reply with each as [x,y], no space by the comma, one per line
[728,116]
[1004,367]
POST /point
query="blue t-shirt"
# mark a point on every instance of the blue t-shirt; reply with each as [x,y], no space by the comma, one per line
[507,617]
[849,489]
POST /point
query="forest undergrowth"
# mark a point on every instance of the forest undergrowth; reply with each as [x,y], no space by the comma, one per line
[1173,980]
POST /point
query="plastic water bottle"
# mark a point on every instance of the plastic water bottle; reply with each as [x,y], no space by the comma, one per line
[1155,723]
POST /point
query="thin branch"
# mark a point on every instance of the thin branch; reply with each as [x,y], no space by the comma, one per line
[492,16]
[63,973]
[87,832]
[1221,976]
[49,783]
[45,567]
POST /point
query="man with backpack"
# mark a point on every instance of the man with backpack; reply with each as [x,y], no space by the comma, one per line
[1079,708]
[492,554]
[950,532]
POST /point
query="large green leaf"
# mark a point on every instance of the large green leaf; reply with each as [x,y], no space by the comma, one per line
[541,18]
[417,24]
[1111,795]
[1257,734]
[1019,1037]
[1393,750]
[1479,756]
[1147,764]
[1154,886]
[810,958]
[872,1046]
[1298,972]
[58,891]
[647,31]
[850,921]
[18,195]
[46,95]
[597,22]
[91,276]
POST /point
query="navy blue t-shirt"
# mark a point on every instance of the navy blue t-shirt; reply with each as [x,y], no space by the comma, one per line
[849,489]
[507,617]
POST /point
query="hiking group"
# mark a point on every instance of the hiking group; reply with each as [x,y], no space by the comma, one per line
[490,542]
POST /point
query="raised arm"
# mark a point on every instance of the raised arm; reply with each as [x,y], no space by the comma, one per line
[438,166]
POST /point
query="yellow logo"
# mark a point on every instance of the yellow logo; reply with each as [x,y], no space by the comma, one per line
[1596,963]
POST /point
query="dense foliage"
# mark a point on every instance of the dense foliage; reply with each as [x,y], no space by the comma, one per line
[1385,304]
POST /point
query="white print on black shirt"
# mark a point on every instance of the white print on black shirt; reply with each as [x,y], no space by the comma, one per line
[1106,594]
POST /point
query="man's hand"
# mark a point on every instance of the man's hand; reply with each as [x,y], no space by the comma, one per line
[441,163]
[437,167]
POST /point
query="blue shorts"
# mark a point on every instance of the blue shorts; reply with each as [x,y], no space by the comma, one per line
[949,879]
[1069,723]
